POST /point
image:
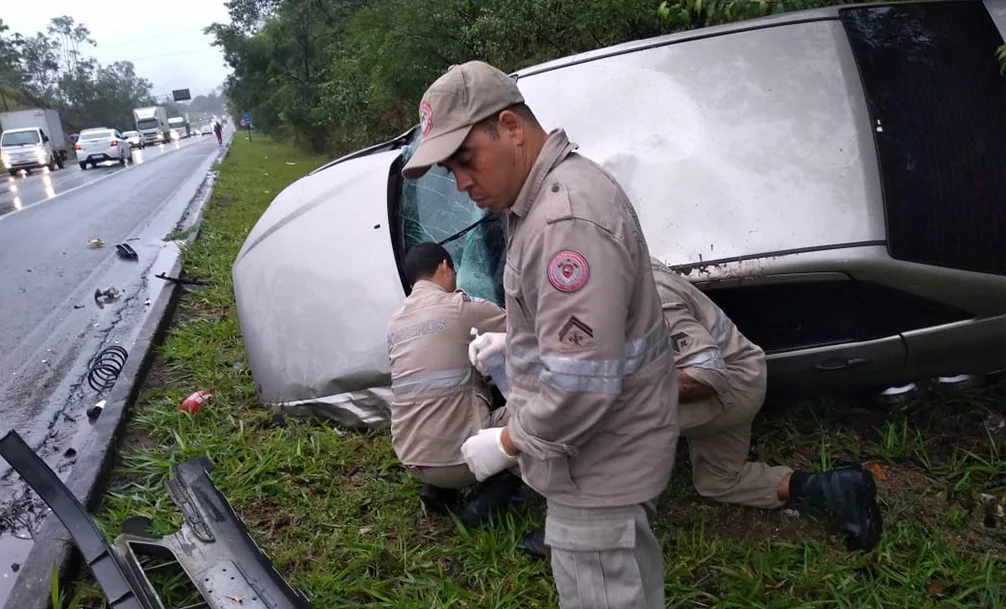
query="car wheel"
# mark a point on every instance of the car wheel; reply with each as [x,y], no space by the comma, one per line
[83,166]
[60,161]
[13,172]
[122,160]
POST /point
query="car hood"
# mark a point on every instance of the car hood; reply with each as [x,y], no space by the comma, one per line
[316,282]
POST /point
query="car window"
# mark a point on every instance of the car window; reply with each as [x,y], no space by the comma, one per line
[432,209]
[794,315]
[95,135]
[18,138]
[936,100]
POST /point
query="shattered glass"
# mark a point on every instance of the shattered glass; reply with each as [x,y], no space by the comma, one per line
[433,210]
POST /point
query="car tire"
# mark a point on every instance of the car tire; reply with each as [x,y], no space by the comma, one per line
[122,160]
[60,161]
[13,172]
[83,166]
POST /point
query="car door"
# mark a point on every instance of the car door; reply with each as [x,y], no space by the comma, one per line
[819,330]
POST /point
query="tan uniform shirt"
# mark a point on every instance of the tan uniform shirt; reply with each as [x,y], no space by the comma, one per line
[439,398]
[592,408]
[706,342]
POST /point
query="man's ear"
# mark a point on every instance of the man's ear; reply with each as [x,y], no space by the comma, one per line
[511,123]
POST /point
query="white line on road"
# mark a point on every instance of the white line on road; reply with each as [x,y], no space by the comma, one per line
[132,164]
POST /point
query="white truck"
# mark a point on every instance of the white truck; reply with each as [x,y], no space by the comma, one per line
[180,125]
[32,139]
[152,123]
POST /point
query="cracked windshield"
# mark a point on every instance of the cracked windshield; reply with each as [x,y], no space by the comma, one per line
[746,346]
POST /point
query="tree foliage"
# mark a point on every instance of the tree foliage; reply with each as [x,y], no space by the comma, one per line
[339,74]
[52,69]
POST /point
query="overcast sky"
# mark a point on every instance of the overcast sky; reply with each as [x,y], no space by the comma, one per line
[163,39]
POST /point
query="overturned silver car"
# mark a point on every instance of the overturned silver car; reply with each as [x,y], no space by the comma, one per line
[834,179]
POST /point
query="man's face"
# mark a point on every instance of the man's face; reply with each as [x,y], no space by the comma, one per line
[488,168]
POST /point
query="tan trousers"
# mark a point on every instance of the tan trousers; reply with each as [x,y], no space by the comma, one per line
[605,558]
[718,431]
[459,476]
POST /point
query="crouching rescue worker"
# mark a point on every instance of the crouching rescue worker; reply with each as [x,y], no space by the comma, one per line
[721,383]
[592,408]
[439,399]
[722,380]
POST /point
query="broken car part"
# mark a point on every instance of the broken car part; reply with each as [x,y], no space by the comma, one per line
[212,546]
[104,368]
[104,297]
[181,280]
[99,556]
[126,251]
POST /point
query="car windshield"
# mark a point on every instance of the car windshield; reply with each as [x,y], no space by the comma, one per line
[18,138]
[95,135]
[147,123]
[432,209]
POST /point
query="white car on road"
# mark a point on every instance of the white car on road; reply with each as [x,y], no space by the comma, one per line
[101,145]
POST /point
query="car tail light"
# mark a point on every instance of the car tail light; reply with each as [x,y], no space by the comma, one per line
[76,146]
[114,143]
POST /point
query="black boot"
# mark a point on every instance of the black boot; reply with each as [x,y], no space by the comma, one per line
[438,500]
[535,546]
[492,494]
[849,498]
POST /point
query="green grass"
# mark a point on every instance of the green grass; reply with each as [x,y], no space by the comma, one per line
[342,521]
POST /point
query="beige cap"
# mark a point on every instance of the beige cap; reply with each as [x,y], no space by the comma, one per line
[465,95]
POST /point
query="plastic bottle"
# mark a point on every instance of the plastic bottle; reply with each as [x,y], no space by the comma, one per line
[496,369]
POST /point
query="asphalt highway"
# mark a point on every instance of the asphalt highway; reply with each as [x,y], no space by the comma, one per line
[50,321]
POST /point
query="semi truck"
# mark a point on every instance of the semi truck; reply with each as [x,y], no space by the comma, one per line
[180,125]
[152,124]
[32,139]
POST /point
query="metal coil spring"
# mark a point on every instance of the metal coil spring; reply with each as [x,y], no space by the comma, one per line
[105,367]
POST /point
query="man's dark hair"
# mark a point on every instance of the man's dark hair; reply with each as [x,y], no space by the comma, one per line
[422,260]
[490,123]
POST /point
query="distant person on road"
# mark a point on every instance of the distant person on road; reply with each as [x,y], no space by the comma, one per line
[439,398]
[218,130]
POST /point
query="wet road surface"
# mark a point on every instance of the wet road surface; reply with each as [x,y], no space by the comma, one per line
[50,324]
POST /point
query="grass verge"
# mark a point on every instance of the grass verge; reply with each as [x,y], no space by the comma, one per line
[342,521]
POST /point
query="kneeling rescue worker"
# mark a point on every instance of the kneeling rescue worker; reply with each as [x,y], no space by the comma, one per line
[439,399]
[721,383]
[592,408]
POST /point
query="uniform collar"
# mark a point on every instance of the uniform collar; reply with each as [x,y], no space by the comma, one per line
[424,285]
[557,147]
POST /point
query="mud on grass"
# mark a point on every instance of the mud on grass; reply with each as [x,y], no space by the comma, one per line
[342,520]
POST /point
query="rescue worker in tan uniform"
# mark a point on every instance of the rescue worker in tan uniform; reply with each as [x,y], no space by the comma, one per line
[439,399]
[721,381]
[592,408]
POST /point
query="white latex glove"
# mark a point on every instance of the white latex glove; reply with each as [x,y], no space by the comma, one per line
[484,347]
[484,453]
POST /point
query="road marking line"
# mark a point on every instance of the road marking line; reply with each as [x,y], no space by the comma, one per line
[91,183]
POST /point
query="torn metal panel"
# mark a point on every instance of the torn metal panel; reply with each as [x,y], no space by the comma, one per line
[212,546]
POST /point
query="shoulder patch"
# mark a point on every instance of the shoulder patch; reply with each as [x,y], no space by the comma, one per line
[568,271]
[680,341]
[576,334]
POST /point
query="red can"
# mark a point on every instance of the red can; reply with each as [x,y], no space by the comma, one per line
[194,402]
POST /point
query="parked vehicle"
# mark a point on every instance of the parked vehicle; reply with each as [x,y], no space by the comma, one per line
[134,138]
[152,123]
[101,145]
[834,179]
[32,139]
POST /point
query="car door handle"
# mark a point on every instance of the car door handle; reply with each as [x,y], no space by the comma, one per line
[840,364]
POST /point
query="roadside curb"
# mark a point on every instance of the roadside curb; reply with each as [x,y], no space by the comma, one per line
[52,545]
